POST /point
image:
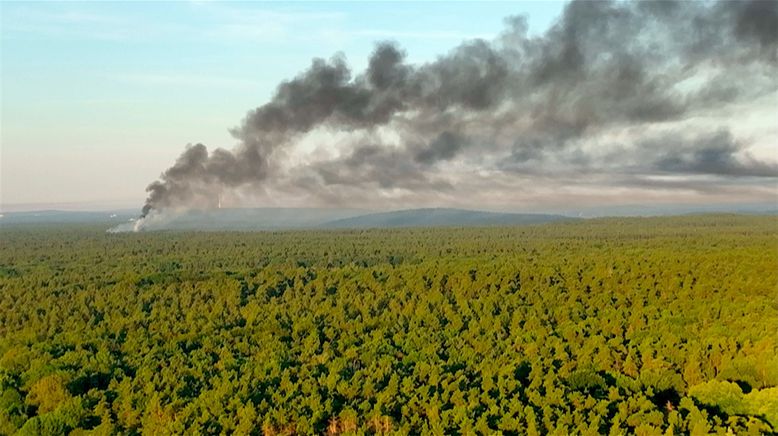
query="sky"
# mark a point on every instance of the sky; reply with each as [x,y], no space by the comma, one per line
[100,98]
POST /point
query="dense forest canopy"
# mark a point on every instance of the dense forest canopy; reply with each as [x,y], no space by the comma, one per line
[600,326]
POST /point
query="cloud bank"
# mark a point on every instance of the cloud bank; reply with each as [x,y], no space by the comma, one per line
[652,97]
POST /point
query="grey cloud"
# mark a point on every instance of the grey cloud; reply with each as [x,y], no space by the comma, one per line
[710,154]
[444,147]
[756,20]
[376,166]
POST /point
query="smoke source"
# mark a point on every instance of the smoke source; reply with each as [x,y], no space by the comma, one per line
[515,105]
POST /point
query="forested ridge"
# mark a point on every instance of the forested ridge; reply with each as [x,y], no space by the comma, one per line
[639,326]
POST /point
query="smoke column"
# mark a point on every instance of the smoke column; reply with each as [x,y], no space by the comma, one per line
[524,100]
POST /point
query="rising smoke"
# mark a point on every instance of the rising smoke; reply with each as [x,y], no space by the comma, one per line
[518,104]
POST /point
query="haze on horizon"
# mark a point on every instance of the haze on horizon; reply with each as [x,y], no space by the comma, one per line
[529,106]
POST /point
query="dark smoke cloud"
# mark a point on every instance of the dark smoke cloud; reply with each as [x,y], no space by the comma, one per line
[444,147]
[507,105]
[713,154]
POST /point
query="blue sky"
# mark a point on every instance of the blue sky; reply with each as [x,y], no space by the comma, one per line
[99,98]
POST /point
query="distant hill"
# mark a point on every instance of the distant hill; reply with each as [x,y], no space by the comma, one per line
[440,218]
[766,208]
[309,218]
[255,218]
[66,217]
[249,219]
[214,219]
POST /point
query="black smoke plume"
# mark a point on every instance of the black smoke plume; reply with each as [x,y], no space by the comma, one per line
[519,99]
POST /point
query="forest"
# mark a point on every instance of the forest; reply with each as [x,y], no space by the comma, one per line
[604,326]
